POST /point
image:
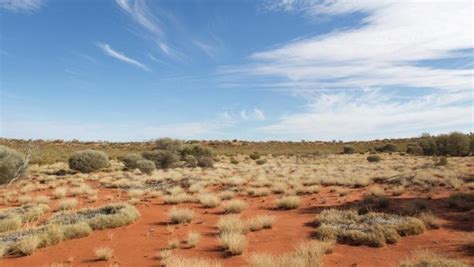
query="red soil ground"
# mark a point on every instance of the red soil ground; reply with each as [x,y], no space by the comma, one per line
[137,244]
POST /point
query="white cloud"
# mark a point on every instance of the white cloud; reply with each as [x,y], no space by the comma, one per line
[208,49]
[113,53]
[372,115]
[139,11]
[258,114]
[21,5]
[339,73]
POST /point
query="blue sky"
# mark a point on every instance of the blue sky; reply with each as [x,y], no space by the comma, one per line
[259,70]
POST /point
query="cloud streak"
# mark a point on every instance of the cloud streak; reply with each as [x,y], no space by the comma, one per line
[21,5]
[120,56]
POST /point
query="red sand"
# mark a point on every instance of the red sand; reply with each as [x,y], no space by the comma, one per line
[138,243]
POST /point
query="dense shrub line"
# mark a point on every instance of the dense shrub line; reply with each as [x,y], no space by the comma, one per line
[453,144]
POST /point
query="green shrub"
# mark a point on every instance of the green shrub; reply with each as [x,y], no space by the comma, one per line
[197,151]
[442,161]
[146,166]
[130,160]
[205,162]
[349,150]
[261,161]
[234,161]
[428,145]
[88,160]
[162,158]
[169,144]
[373,158]
[11,164]
[387,148]
[191,161]
[414,149]
[453,144]
[202,154]
[254,155]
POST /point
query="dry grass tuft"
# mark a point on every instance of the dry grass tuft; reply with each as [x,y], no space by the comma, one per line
[260,222]
[209,200]
[181,215]
[234,206]
[234,243]
[425,258]
[178,261]
[372,229]
[307,254]
[288,203]
[193,239]
[231,224]
[103,253]
[68,204]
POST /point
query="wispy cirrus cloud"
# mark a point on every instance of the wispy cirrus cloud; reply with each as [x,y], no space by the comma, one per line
[140,12]
[380,57]
[120,56]
[21,5]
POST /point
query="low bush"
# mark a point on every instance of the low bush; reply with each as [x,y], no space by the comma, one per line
[374,158]
[146,166]
[163,159]
[254,155]
[261,161]
[169,144]
[387,148]
[130,160]
[349,150]
[11,164]
[88,161]
[462,201]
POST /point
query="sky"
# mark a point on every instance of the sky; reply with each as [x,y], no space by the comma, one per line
[135,70]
